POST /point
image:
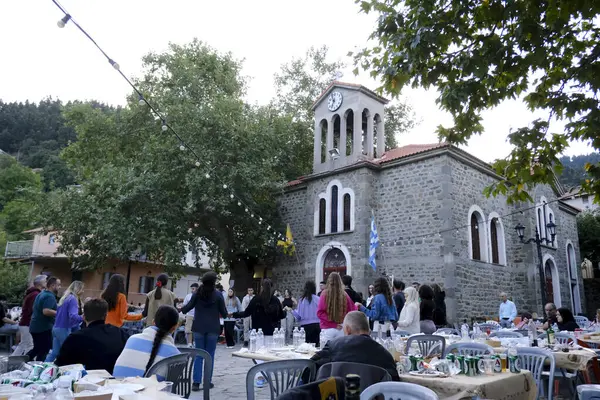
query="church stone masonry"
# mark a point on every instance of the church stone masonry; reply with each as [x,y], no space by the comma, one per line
[415,192]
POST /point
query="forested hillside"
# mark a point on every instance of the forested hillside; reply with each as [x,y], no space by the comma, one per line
[574,168]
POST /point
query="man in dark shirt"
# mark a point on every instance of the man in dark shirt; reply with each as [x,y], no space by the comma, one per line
[98,345]
[322,286]
[398,296]
[356,346]
[354,296]
[550,320]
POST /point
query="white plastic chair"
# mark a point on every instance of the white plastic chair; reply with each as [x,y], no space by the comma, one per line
[397,391]
[470,349]
[582,321]
[533,360]
[588,392]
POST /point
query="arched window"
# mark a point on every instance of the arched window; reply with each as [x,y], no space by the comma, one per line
[494,237]
[476,245]
[334,209]
[347,205]
[335,261]
[573,277]
[322,214]
[349,133]
[323,133]
[540,221]
[548,235]
[478,242]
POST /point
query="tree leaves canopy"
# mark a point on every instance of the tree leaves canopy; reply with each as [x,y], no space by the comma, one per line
[479,53]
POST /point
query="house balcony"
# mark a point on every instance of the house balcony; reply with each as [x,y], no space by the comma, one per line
[19,249]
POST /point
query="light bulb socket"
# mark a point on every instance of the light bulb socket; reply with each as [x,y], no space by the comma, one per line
[114,64]
[63,21]
[141,100]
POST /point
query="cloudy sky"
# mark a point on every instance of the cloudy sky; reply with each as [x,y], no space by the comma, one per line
[41,60]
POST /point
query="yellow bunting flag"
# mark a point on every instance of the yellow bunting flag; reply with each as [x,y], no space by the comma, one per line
[288,245]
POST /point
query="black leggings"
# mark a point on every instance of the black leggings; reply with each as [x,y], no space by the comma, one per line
[229,329]
[42,344]
[312,333]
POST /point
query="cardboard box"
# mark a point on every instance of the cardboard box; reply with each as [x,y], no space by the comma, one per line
[94,396]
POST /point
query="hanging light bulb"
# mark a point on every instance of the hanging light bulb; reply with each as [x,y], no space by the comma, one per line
[224,186]
[164,126]
[251,215]
[182,147]
[63,21]
[141,101]
[114,64]
[246,210]
[231,195]
[207,175]
[239,203]
[197,163]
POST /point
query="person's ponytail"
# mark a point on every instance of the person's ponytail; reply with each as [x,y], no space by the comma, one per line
[161,281]
[160,334]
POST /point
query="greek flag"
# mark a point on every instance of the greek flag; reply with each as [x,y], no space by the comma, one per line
[374,244]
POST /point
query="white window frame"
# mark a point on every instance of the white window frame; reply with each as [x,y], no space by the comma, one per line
[482,228]
[555,279]
[326,195]
[501,238]
[573,277]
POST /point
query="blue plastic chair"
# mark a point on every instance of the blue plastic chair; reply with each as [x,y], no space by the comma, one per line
[397,391]
[470,349]
[588,392]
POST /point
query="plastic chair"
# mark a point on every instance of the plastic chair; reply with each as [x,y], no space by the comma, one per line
[447,331]
[369,374]
[174,369]
[561,337]
[582,321]
[206,367]
[428,344]
[533,360]
[488,325]
[399,390]
[280,375]
[402,333]
[313,390]
[470,349]
[506,334]
[588,392]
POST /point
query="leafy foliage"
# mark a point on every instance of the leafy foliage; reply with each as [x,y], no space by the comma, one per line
[588,228]
[15,278]
[20,189]
[479,53]
[141,194]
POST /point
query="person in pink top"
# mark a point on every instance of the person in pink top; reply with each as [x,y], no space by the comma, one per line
[334,304]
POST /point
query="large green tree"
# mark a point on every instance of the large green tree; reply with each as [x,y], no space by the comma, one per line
[140,193]
[480,53]
[301,81]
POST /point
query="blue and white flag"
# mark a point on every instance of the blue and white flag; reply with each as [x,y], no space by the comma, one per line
[374,244]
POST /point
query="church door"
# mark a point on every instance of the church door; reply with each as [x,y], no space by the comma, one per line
[549,283]
[335,261]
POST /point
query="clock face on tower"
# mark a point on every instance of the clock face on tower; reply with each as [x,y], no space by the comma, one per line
[334,101]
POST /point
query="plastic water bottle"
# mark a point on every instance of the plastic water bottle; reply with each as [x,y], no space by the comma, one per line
[276,337]
[476,331]
[260,339]
[280,339]
[532,331]
[283,337]
[302,336]
[322,340]
[253,339]
[464,331]
[296,337]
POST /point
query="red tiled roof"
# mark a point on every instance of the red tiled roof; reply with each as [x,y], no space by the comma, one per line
[408,150]
[394,154]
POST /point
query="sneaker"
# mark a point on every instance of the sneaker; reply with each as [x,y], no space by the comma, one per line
[260,382]
[195,387]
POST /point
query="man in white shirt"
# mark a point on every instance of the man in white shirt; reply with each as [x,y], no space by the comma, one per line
[247,320]
[507,312]
[189,318]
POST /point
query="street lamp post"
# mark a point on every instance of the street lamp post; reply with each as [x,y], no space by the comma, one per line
[538,242]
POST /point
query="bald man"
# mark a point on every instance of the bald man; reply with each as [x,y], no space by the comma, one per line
[356,346]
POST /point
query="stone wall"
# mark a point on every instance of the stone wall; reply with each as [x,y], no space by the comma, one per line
[414,201]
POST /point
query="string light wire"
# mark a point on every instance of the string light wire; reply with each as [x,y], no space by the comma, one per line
[165,124]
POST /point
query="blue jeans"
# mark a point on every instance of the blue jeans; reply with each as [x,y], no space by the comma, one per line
[208,343]
[59,335]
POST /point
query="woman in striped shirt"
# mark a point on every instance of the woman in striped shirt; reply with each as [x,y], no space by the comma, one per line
[149,347]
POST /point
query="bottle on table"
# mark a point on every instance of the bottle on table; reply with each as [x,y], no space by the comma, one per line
[302,337]
[464,330]
[252,348]
[550,333]
[322,340]
[260,339]
[532,330]
[352,390]
[295,337]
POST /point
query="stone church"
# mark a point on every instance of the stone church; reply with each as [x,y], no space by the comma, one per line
[433,221]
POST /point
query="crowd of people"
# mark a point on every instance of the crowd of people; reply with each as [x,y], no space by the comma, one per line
[68,330]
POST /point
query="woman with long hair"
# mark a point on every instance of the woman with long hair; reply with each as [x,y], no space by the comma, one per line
[289,304]
[67,318]
[145,349]
[439,300]
[232,304]
[306,314]
[265,309]
[370,298]
[426,308]
[409,319]
[158,297]
[333,306]
[566,320]
[209,307]
[114,295]
[383,309]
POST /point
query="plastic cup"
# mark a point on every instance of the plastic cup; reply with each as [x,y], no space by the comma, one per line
[168,387]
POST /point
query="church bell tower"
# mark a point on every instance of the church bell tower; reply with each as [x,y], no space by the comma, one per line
[349,126]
